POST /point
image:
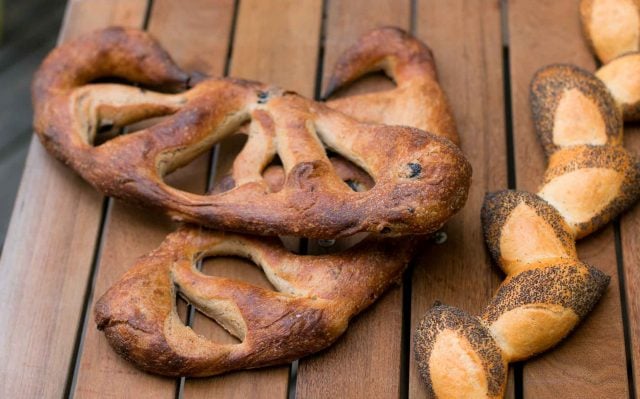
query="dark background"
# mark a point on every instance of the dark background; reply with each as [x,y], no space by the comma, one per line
[29,30]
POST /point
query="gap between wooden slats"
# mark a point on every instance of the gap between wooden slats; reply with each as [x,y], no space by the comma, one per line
[628,256]
[591,362]
[48,255]
[515,371]
[274,42]
[196,35]
[466,38]
[628,299]
[366,360]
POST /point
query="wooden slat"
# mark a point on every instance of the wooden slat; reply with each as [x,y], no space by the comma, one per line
[366,360]
[630,244]
[629,228]
[48,252]
[84,16]
[275,42]
[591,362]
[196,33]
[465,36]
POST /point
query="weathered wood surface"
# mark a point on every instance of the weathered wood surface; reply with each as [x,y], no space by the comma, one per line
[63,251]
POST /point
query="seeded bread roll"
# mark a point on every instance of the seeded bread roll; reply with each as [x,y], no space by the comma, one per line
[612,28]
[589,180]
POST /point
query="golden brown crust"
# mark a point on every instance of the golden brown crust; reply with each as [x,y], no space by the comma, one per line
[420,178]
[315,299]
[417,101]
[132,54]
[546,293]
[531,312]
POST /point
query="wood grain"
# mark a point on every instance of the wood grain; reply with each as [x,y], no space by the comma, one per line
[591,362]
[50,245]
[192,31]
[366,360]
[629,228]
[465,36]
[275,42]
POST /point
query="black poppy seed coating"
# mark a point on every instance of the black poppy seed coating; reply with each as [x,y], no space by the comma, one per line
[547,87]
[587,156]
[498,206]
[570,284]
[607,157]
[443,317]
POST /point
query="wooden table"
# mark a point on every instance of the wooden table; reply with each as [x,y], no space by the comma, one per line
[67,244]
